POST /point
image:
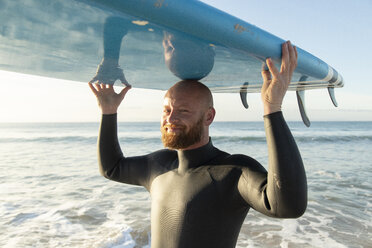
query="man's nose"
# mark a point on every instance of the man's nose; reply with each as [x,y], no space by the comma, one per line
[173,117]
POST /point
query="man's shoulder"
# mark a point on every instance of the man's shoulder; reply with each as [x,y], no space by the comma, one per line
[161,162]
[235,160]
[164,158]
[233,165]
[240,162]
[245,163]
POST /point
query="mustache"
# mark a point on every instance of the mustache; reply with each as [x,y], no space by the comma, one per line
[173,126]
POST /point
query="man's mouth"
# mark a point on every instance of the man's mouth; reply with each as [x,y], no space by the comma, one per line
[173,129]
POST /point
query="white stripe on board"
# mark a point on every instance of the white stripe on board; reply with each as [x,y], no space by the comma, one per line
[329,75]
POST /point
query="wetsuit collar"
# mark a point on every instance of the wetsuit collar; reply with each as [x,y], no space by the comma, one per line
[196,157]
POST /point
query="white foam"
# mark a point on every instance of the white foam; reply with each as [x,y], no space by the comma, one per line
[311,230]
[122,239]
[329,174]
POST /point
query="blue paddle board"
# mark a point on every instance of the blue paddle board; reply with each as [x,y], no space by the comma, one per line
[149,43]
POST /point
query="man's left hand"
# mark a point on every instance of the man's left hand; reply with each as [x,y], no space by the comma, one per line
[275,83]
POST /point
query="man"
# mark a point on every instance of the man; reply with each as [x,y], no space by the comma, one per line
[201,195]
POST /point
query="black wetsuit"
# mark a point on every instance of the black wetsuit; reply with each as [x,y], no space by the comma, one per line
[201,197]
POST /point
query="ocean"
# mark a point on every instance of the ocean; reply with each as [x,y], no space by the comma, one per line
[51,193]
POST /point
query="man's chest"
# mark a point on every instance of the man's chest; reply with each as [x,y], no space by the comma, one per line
[175,189]
[198,189]
[183,201]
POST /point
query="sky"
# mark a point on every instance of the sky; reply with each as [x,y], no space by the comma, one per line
[337,31]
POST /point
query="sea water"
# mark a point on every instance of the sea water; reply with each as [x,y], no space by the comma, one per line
[51,193]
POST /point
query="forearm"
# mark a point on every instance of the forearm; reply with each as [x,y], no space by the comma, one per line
[112,163]
[286,181]
[109,152]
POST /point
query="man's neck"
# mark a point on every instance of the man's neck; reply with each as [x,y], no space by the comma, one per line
[196,157]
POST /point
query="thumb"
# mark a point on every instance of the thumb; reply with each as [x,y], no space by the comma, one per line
[124,91]
[266,76]
[123,80]
[274,71]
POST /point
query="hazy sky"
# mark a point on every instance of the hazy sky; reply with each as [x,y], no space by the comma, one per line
[338,32]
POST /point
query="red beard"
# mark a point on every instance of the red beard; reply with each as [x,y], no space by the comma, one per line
[183,139]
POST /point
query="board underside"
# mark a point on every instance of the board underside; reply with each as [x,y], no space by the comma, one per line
[155,43]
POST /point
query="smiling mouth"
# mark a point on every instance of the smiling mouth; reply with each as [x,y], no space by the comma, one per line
[173,129]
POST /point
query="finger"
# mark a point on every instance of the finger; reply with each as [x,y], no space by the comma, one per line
[124,80]
[296,57]
[292,57]
[285,58]
[127,84]
[102,86]
[266,75]
[124,91]
[94,90]
[97,86]
[274,71]
[295,48]
[93,80]
[110,87]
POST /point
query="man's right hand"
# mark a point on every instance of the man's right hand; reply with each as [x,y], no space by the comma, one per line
[108,99]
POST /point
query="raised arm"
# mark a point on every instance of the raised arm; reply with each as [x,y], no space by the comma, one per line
[282,191]
[112,163]
[275,83]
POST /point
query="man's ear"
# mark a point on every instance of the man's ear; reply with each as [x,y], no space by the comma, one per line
[210,114]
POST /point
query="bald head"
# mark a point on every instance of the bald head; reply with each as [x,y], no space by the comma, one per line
[195,89]
[187,114]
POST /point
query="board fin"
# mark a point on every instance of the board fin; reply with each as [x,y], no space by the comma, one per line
[243,94]
[331,92]
[301,103]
